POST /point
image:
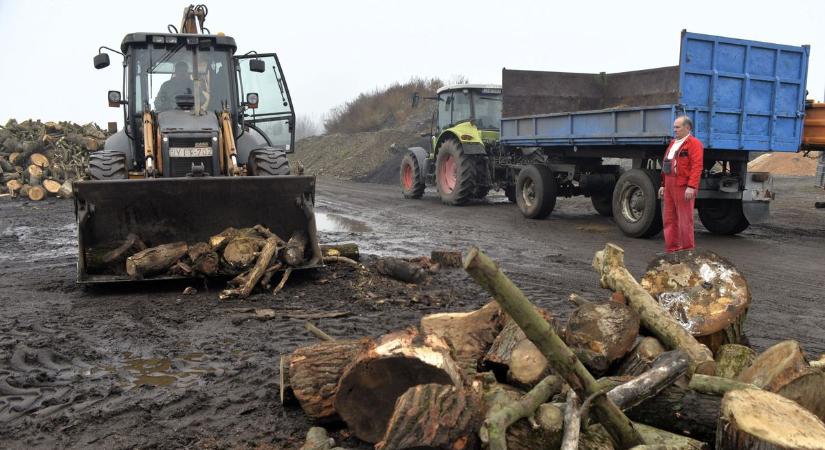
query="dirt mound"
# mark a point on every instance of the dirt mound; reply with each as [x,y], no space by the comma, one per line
[362,156]
[796,164]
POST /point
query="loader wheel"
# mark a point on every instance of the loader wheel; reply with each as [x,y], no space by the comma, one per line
[723,216]
[412,182]
[455,174]
[268,162]
[107,165]
[636,208]
[536,192]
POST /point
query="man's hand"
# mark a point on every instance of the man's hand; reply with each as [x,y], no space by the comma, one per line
[661,192]
[690,193]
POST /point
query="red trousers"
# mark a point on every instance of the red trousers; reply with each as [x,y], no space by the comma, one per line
[677,216]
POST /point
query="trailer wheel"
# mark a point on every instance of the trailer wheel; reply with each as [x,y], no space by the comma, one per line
[412,183]
[268,162]
[107,165]
[723,216]
[455,174]
[603,203]
[636,208]
[536,192]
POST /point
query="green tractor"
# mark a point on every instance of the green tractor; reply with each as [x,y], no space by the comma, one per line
[464,144]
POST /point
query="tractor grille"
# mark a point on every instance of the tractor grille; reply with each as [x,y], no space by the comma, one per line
[182,166]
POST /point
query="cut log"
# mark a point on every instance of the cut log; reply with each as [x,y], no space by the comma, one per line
[400,270]
[398,361]
[219,241]
[514,357]
[15,159]
[294,252]
[131,245]
[314,372]
[446,258]
[641,356]
[601,333]
[205,261]
[615,276]
[14,186]
[732,359]
[680,410]
[347,250]
[36,193]
[702,291]
[807,390]
[34,174]
[66,190]
[716,385]
[595,438]
[562,360]
[154,260]
[51,186]
[242,251]
[433,416]
[543,431]
[469,335]
[39,160]
[757,419]
[667,368]
[268,252]
[24,190]
[776,366]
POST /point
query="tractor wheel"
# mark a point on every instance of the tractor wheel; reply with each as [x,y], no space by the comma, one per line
[268,162]
[455,174]
[107,165]
[536,192]
[412,181]
[723,216]
[636,207]
[603,203]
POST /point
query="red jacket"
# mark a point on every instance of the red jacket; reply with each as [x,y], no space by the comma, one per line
[689,162]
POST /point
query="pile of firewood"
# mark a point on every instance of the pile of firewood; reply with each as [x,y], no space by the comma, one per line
[660,365]
[42,159]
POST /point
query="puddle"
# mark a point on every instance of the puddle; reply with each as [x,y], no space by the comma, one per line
[184,370]
[328,222]
[49,242]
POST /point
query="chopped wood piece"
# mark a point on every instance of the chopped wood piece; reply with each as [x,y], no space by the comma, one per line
[39,160]
[432,416]
[347,250]
[268,252]
[51,186]
[220,240]
[314,372]
[732,359]
[205,261]
[757,419]
[610,265]
[513,355]
[14,186]
[469,335]
[776,366]
[641,356]
[680,410]
[370,386]
[572,422]
[36,193]
[601,333]
[343,259]
[283,281]
[131,245]
[400,270]
[317,332]
[154,260]
[242,251]
[667,368]
[294,251]
[563,361]
[66,190]
[446,258]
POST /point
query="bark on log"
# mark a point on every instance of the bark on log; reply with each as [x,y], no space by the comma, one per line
[6,166]
[446,258]
[154,260]
[36,193]
[285,393]
[369,387]
[314,372]
[205,261]
[51,186]
[469,335]
[665,371]
[433,416]
[39,160]
[14,186]
[294,251]
[601,333]
[268,252]
[24,190]
[494,429]
[595,438]
[680,410]
[716,385]
[131,245]
[347,250]
[400,270]
[572,422]
[757,419]
[732,359]
[641,356]
[515,358]
[66,190]
[776,366]
[610,265]
[561,358]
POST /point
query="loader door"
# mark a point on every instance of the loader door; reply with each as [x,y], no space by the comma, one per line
[274,117]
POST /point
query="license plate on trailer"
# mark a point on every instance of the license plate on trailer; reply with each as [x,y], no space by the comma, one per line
[189,152]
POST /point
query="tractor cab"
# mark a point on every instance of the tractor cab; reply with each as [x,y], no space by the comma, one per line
[467,110]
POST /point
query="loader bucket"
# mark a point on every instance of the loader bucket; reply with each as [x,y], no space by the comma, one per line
[166,210]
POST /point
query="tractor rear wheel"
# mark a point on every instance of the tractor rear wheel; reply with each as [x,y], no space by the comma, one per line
[107,165]
[412,181]
[723,217]
[268,162]
[455,174]
[636,207]
[536,192]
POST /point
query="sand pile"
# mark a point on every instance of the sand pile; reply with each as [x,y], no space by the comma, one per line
[797,164]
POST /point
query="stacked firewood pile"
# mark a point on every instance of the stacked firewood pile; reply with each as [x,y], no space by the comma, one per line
[660,365]
[42,159]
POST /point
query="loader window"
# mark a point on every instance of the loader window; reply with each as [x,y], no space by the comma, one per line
[270,86]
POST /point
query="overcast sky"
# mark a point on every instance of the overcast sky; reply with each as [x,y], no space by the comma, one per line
[333,50]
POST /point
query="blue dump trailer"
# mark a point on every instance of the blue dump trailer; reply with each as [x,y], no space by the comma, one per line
[557,130]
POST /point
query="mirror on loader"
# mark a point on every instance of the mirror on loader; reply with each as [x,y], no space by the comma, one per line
[257,65]
[101,61]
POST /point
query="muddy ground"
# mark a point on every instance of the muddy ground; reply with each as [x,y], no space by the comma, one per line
[143,366]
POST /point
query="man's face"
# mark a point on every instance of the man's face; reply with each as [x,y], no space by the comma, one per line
[679,128]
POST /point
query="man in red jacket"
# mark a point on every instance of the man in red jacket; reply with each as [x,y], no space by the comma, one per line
[681,170]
